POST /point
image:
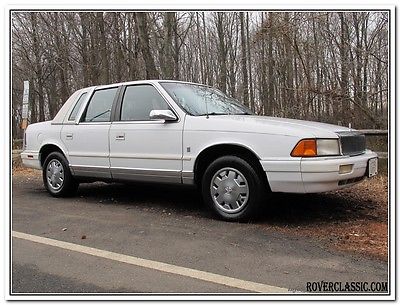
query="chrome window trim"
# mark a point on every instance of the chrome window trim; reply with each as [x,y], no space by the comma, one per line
[166,100]
[84,105]
[72,122]
[90,96]
[140,122]
[94,123]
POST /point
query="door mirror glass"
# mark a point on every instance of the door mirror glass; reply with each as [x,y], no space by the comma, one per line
[166,115]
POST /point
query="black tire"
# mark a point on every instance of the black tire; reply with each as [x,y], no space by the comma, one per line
[69,185]
[256,188]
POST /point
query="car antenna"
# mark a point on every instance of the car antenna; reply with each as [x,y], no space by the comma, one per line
[206,109]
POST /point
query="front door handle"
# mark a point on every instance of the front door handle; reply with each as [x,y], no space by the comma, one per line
[120,137]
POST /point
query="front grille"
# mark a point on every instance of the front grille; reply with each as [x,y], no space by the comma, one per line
[352,143]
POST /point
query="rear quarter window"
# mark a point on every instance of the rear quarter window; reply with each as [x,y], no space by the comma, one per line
[76,108]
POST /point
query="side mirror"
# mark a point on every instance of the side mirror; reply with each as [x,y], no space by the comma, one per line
[166,115]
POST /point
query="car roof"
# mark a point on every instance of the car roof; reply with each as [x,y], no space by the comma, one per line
[144,82]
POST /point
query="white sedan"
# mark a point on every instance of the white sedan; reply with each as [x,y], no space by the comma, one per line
[186,133]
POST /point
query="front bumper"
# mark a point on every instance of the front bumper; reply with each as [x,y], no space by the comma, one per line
[31,159]
[314,175]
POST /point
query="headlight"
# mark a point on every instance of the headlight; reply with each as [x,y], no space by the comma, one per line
[328,147]
[316,148]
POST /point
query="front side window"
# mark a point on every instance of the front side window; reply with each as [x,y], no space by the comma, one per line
[76,108]
[202,100]
[139,101]
[99,108]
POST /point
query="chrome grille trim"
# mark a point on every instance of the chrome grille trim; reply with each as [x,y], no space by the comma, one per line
[352,143]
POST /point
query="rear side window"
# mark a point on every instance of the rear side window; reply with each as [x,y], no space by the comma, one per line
[99,108]
[76,108]
[139,100]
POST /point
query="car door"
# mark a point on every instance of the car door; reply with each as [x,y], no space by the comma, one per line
[87,139]
[142,149]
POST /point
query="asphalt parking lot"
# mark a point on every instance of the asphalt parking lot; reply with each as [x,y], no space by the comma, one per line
[138,238]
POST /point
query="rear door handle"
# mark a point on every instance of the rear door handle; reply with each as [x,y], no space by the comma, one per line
[120,137]
[69,136]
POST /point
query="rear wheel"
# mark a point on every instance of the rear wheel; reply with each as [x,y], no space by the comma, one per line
[57,177]
[232,188]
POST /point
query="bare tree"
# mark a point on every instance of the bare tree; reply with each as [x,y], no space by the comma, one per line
[143,32]
[326,66]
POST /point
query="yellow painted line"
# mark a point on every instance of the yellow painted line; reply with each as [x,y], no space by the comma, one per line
[155,265]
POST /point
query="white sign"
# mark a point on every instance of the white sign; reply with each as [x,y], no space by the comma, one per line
[25,100]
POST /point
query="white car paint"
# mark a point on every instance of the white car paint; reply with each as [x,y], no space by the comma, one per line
[167,151]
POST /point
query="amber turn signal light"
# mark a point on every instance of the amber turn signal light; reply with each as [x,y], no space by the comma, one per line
[305,148]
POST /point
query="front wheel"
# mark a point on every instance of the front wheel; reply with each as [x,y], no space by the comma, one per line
[232,188]
[57,177]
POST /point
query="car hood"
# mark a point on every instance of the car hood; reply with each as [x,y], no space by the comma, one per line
[263,125]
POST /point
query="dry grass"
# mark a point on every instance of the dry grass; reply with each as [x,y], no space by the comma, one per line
[26,172]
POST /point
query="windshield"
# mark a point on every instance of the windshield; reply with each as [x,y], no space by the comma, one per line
[201,100]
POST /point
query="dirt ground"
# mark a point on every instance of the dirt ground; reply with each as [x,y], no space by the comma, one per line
[354,219]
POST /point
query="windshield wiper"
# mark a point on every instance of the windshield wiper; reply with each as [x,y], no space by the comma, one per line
[100,114]
[242,113]
[224,113]
[213,113]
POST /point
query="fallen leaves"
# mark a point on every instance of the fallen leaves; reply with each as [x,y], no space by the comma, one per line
[356,219]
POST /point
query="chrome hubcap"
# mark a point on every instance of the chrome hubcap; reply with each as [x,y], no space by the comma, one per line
[229,190]
[55,174]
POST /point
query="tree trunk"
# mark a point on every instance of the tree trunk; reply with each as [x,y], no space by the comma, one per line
[62,63]
[344,63]
[104,72]
[94,58]
[222,52]
[289,92]
[201,59]
[38,64]
[141,20]
[84,49]
[118,49]
[251,96]
[271,64]
[244,61]
[168,63]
